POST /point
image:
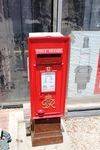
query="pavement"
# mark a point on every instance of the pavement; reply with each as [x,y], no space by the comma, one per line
[84,132]
[79,133]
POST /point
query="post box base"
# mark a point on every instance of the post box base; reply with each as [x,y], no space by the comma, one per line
[46,131]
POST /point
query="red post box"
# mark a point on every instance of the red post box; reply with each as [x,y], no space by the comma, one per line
[48,69]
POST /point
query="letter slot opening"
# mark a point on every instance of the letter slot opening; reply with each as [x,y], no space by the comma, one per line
[49,59]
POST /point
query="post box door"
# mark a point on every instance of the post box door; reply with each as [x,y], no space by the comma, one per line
[49,63]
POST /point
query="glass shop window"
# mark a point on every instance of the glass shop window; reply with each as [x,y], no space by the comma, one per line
[17,19]
[81,18]
[80,15]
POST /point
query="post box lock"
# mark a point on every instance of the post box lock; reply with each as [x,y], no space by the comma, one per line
[49,77]
[40,112]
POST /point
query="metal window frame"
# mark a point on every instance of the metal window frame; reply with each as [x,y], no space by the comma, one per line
[57,15]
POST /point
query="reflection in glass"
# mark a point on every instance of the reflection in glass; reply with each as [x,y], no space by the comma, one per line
[17,19]
[80,15]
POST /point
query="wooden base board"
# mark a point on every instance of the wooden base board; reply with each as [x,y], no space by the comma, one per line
[46,131]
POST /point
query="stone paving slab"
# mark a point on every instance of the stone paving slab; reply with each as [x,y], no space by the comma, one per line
[84,132]
[79,133]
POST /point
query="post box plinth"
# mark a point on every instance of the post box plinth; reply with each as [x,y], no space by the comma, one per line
[46,131]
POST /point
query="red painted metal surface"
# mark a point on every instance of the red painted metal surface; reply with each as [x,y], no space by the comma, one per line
[97,85]
[48,69]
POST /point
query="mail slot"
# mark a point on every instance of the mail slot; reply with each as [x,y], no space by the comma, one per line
[48,70]
[49,59]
